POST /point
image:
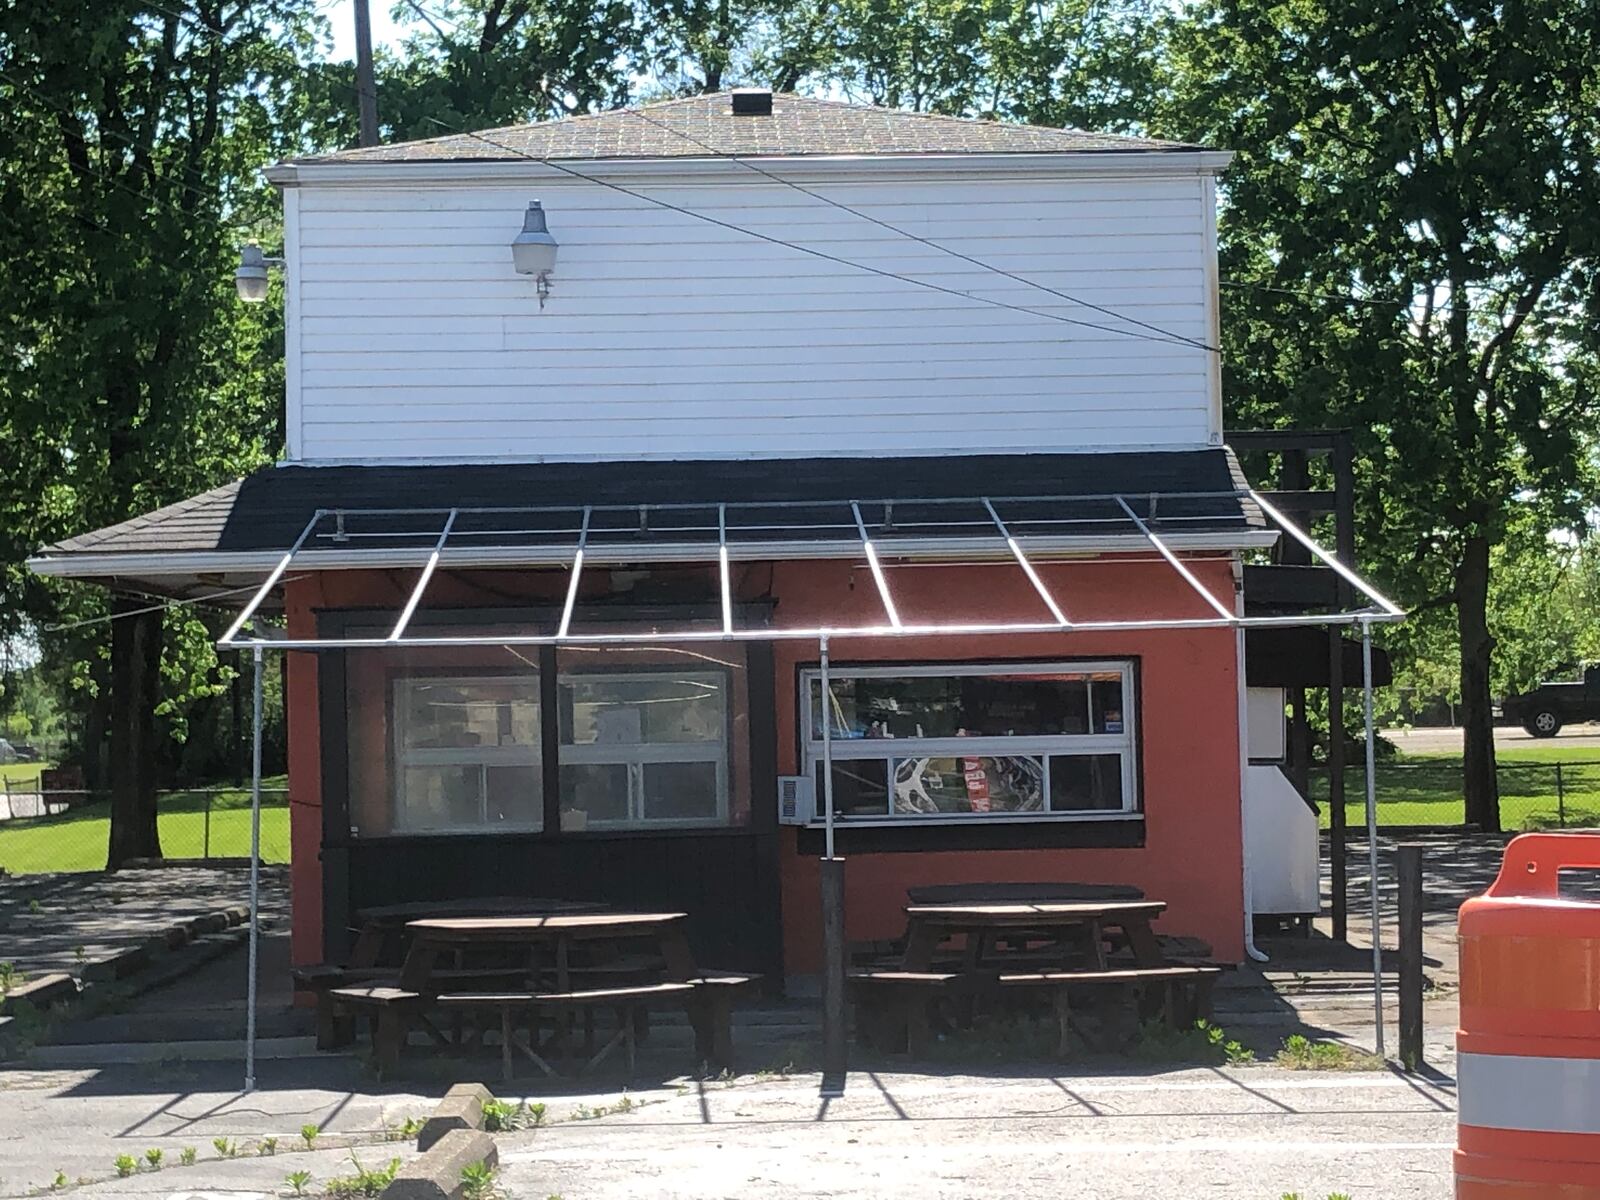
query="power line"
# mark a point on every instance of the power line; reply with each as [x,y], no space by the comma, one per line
[777,241]
[906,233]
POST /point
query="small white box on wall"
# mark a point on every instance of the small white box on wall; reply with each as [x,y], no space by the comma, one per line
[1265,724]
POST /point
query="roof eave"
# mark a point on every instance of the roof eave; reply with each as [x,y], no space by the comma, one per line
[89,565]
[1077,163]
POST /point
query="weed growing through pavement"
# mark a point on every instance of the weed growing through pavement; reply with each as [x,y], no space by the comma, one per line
[1158,1042]
[403,1132]
[1331,1196]
[126,1164]
[308,1134]
[364,1182]
[186,1156]
[501,1116]
[268,1146]
[153,1156]
[225,1148]
[1300,1053]
[297,1181]
[60,1181]
[10,977]
[478,1182]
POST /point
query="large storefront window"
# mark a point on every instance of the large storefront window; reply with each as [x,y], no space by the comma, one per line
[443,740]
[966,742]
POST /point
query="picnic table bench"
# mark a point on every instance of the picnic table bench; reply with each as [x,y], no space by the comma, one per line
[1056,948]
[552,984]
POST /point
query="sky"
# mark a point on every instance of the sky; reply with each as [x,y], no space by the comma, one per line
[341,14]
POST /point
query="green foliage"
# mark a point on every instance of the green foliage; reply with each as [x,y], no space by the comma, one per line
[1300,1053]
[1158,1042]
[501,1116]
[309,1134]
[187,1156]
[297,1181]
[125,1164]
[478,1182]
[225,1147]
[10,976]
[363,1182]
[153,1156]
[60,1181]
[269,1145]
[1409,250]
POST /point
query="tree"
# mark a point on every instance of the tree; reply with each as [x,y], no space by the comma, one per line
[1409,248]
[131,136]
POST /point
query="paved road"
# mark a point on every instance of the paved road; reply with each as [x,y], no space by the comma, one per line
[1506,737]
[1254,1133]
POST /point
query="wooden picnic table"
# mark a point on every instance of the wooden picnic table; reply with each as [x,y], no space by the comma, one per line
[382,928]
[1049,948]
[1080,924]
[559,966]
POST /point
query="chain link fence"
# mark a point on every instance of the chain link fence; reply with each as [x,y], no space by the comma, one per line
[70,829]
[1429,794]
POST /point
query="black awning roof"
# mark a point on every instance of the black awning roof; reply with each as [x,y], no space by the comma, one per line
[267,511]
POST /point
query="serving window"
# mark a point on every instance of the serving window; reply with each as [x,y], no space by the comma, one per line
[966,742]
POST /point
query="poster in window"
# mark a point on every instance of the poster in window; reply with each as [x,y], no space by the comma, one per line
[970,784]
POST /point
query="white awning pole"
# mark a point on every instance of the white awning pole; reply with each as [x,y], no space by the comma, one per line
[1177,565]
[1027,568]
[577,573]
[255,878]
[722,568]
[877,572]
[1372,836]
[249,610]
[827,745]
[422,580]
[1339,568]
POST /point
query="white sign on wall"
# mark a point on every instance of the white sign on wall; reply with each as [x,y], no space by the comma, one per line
[1265,723]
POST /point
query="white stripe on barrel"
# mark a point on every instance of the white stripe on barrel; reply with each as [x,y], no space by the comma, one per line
[1537,1095]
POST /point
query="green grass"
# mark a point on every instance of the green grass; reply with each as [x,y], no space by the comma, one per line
[77,840]
[22,776]
[1539,788]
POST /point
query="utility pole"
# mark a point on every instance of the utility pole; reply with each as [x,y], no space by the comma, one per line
[366,85]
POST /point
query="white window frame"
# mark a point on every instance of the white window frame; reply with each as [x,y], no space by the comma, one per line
[482,757]
[1044,747]
[638,755]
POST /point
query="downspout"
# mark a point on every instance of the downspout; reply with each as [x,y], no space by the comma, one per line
[1250,948]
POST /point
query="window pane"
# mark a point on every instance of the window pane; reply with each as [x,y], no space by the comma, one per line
[1107,706]
[469,713]
[515,797]
[680,791]
[440,798]
[1086,782]
[860,789]
[670,707]
[992,705]
[976,784]
[593,793]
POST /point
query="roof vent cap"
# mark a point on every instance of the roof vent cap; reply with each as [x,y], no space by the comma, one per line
[752,102]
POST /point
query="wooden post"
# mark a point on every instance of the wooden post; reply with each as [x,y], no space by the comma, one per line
[1409,876]
[366,86]
[834,1051]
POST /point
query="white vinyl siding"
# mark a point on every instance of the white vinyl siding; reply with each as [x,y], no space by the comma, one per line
[664,336]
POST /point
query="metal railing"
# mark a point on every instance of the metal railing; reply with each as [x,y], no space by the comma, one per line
[48,830]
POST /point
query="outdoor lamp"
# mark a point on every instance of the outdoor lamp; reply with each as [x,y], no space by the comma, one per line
[251,277]
[533,251]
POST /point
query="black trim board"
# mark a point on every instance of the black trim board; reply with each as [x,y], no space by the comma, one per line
[977,835]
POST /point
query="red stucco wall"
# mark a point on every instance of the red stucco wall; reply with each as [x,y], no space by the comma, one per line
[1188,728]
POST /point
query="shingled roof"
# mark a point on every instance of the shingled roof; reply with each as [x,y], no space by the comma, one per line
[701,126]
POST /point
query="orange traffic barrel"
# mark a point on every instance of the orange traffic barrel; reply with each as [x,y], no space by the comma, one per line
[1528,1049]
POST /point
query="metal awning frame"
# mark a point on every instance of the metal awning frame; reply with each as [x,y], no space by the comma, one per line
[1007,542]
[873,546]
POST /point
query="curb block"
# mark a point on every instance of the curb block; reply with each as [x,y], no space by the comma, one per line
[461,1108]
[45,990]
[118,965]
[437,1174]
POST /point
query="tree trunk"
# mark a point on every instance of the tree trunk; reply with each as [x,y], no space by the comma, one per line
[1477,716]
[96,722]
[135,691]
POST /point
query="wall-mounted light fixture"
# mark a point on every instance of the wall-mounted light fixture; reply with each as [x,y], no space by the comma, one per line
[251,278]
[533,251]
